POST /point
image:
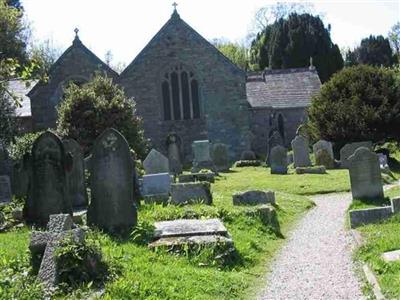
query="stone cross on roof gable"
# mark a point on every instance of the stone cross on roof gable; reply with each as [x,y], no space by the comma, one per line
[174,5]
[59,227]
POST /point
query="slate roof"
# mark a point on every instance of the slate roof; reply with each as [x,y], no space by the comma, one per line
[20,89]
[283,88]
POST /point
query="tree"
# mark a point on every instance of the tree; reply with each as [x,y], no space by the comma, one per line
[15,3]
[44,54]
[236,53]
[375,51]
[95,106]
[358,103]
[7,117]
[394,38]
[289,43]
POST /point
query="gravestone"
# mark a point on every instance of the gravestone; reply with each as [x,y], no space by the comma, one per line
[278,160]
[155,184]
[20,182]
[301,155]
[47,167]
[322,144]
[45,244]
[6,164]
[323,158]
[253,197]
[5,189]
[365,175]
[174,154]
[248,155]
[112,206]
[76,189]
[191,193]
[348,149]
[202,157]
[220,156]
[274,140]
[155,163]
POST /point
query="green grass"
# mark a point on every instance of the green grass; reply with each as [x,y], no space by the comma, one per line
[380,238]
[147,274]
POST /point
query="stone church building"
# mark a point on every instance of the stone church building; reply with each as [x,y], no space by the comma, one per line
[183,85]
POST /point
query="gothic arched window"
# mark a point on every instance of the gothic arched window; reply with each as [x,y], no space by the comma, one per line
[180,95]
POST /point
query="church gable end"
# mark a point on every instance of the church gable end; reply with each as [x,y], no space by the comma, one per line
[77,64]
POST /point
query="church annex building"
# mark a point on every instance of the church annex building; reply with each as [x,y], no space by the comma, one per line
[183,85]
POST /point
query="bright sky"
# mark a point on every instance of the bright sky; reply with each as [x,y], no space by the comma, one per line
[125,26]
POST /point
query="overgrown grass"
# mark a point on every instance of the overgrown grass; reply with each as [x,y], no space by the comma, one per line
[147,274]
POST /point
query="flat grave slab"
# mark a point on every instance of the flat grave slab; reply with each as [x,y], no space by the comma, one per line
[391,256]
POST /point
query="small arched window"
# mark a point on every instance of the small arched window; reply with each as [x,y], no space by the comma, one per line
[180,94]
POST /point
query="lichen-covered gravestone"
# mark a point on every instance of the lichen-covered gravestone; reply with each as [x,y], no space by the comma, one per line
[301,155]
[155,163]
[220,156]
[47,169]
[76,189]
[5,189]
[45,244]
[323,158]
[191,193]
[278,160]
[112,206]
[274,140]
[349,149]
[365,175]
[202,157]
[322,144]
[156,187]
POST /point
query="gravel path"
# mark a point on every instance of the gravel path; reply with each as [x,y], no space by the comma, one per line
[316,261]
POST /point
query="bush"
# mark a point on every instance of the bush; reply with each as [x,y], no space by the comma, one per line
[359,103]
[97,105]
[22,145]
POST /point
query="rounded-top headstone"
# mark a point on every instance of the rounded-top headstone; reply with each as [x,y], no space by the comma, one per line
[322,144]
[301,155]
[278,160]
[220,156]
[112,206]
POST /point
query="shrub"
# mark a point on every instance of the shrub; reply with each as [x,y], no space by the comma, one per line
[97,105]
[359,103]
[22,145]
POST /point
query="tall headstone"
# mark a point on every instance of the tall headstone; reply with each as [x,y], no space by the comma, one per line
[5,189]
[349,149]
[324,158]
[6,164]
[274,140]
[174,154]
[202,156]
[155,163]
[220,156]
[322,144]
[365,175]
[301,155]
[76,189]
[278,160]
[112,206]
[47,166]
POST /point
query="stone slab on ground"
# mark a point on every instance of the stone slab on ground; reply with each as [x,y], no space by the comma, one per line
[191,193]
[366,216]
[254,197]
[391,256]
[311,170]
[197,239]
[188,227]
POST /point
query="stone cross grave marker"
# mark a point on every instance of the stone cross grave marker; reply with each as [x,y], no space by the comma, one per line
[59,228]
[155,163]
[76,189]
[278,160]
[301,155]
[112,207]
[365,175]
[5,189]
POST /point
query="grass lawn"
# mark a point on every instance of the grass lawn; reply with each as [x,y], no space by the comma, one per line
[146,274]
[380,238]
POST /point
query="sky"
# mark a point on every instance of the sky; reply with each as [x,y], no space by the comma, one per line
[124,27]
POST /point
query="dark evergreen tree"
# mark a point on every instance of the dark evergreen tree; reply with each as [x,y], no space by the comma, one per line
[289,43]
[375,51]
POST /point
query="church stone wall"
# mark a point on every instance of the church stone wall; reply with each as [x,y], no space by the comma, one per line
[223,105]
[293,118]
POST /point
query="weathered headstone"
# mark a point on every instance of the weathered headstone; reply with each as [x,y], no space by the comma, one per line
[202,156]
[248,155]
[254,197]
[278,160]
[193,177]
[47,166]
[6,164]
[155,184]
[348,149]
[274,140]
[112,206]
[45,244]
[220,156]
[191,193]
[174,154]
[76,189]
[5,189]
[301,155]
[323,158]
[322,144]
[155,163]
[365,175]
